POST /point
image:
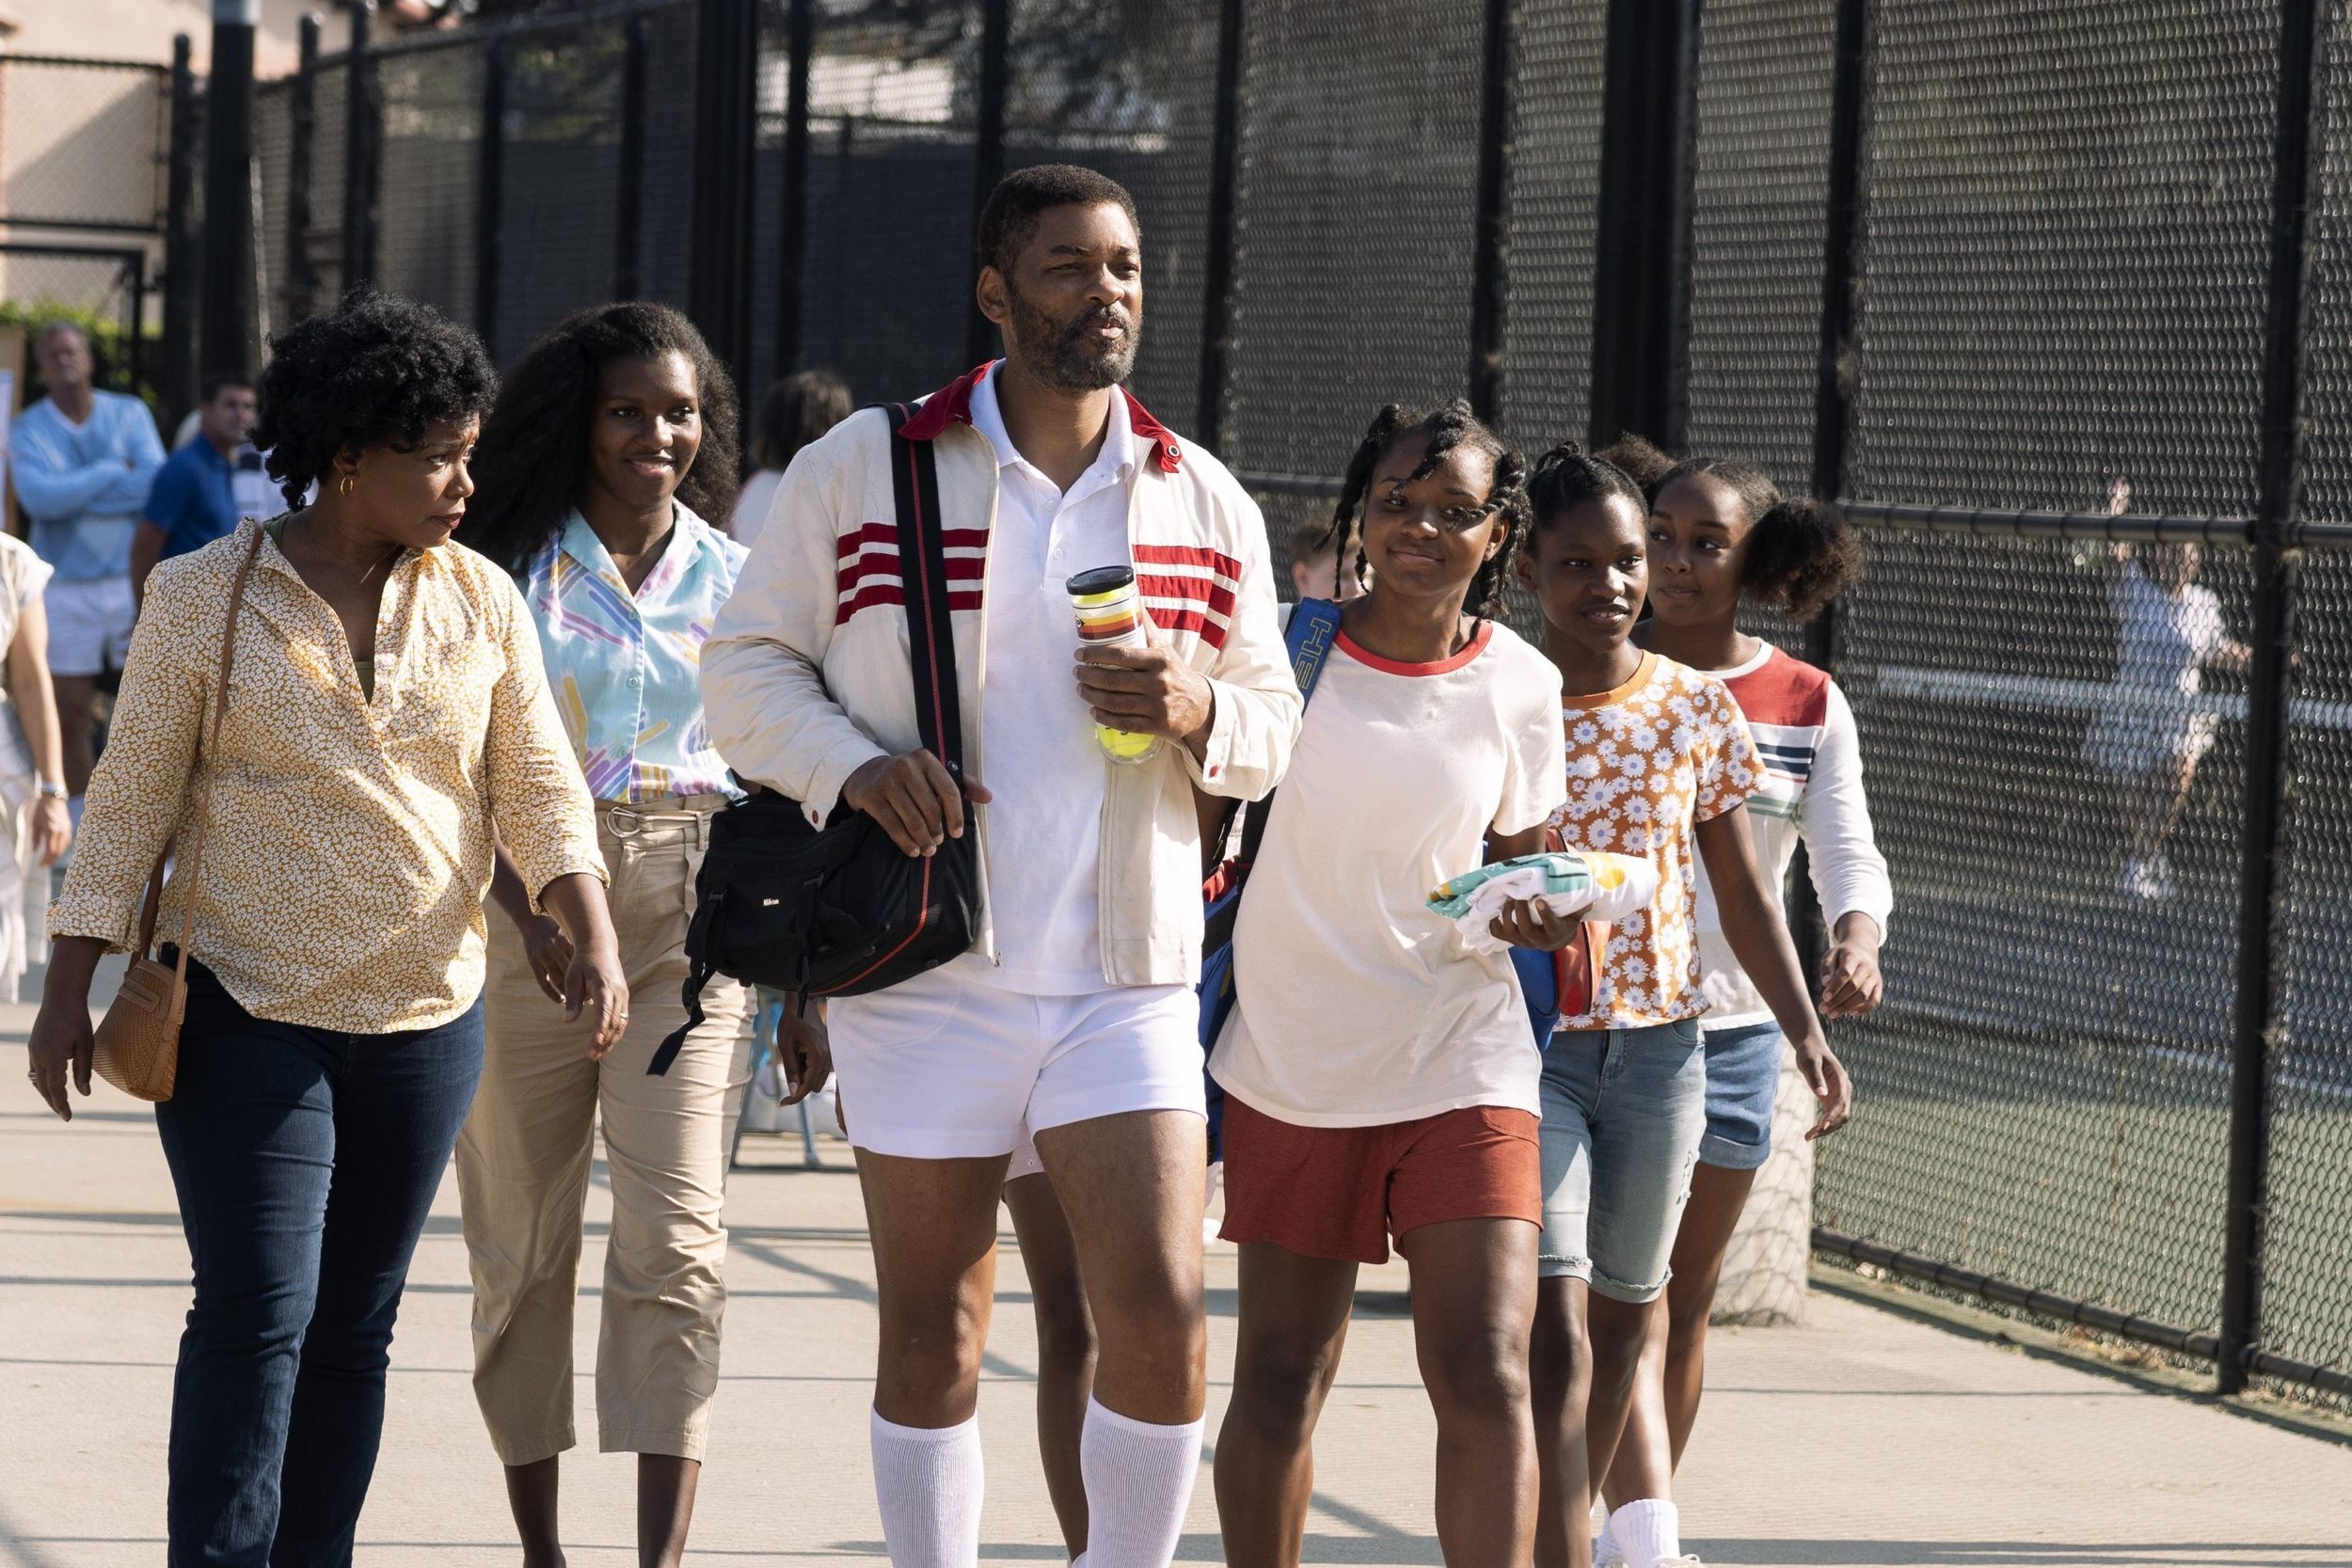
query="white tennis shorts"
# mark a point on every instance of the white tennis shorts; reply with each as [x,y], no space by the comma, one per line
[1026,1160]
[947,1066]
[89,625]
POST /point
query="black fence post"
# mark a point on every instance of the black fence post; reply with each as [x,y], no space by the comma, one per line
[792,209]
[2253,1037]
[226,338]
[138,319]
[1838,370]
[363,151]
[1642,264]
[490,192]
[302,274]
[1490,276]
[1216,262]
[176,379]
[726,129]
[987,149]
[628,219]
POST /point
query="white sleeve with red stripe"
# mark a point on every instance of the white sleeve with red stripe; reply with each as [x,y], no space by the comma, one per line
[1230,601]
[763,688]
[1849,873]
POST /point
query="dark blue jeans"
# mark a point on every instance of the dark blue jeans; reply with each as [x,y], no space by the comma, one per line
[306,1162]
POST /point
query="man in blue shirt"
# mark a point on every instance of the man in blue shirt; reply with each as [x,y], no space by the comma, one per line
[83,461]
[206,487]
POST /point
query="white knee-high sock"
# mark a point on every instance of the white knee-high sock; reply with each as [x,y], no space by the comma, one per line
[1138,1480]
[1650,1531]
[928,1481]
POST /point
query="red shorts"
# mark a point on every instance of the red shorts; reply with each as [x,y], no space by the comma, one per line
[1342,1192]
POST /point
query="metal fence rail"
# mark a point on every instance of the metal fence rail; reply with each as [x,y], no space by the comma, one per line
[1965,265]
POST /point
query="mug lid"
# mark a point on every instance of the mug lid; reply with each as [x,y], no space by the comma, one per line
[1102,580]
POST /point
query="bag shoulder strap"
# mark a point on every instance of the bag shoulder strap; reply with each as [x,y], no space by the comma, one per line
[195,859]
[1314,624]
[923,579]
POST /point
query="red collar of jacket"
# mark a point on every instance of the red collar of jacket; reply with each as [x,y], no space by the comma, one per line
[952,404]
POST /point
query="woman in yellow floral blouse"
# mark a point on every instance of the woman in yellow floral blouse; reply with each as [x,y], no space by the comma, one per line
[387,723]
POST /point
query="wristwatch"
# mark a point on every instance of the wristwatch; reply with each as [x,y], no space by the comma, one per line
[54,791]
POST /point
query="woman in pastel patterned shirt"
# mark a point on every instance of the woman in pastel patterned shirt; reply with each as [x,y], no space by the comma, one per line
[387,723]
[613,439]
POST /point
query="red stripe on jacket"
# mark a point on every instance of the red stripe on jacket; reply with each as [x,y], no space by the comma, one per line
[1215,594]
[892,592]
[886,534]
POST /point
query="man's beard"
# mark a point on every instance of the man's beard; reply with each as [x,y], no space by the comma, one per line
[1066,357]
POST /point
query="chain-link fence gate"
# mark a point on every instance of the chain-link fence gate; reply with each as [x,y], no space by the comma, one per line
[1965,266]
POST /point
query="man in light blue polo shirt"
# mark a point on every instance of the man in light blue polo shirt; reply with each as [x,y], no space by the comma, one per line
[83,461]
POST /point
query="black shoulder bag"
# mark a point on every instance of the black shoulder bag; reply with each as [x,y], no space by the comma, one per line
[841,910]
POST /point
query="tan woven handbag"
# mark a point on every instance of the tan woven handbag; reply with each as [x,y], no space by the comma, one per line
[138,1041]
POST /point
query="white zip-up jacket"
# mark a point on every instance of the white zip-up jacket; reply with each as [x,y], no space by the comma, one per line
[805,676]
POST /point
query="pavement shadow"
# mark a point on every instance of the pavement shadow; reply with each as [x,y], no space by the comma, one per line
[1404,1551]
[1751,1553]
[1224,1302]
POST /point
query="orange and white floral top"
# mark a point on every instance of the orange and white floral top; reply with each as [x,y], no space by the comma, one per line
[351,840]
[1647,763]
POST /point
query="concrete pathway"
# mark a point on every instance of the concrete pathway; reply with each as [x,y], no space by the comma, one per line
[1860,1438]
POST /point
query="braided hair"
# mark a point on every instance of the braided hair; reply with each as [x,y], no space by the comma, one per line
[1565,476]
[1801,553]
[1447,428]
[1638,458]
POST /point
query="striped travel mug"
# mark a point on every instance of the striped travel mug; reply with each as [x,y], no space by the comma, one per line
[1110,615]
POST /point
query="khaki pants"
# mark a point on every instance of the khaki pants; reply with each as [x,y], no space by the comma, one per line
[523,1169]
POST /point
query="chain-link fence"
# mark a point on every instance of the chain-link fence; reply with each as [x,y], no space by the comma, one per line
[101,288]
[2012,254]
[83,143]
[84,151]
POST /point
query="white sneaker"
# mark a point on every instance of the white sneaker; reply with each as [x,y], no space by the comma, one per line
[1606,1553]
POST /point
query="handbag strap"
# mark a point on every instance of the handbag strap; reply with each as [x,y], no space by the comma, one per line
[932,660]
[195,861]
[923,580]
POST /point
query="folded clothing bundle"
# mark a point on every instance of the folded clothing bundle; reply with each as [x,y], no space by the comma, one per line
[1591,885]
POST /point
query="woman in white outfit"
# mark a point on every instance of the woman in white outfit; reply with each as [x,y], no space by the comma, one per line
[35,827]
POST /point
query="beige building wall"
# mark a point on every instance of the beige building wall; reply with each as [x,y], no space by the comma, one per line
[143,30]
[82,144]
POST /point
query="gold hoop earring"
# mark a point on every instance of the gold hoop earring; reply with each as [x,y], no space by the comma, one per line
[345,487]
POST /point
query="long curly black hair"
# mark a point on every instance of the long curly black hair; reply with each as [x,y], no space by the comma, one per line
[1447,427]
[534,445]
[375,370]
[1801,553]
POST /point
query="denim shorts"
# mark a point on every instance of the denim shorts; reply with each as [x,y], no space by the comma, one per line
[1742,1081]
[1624,1110]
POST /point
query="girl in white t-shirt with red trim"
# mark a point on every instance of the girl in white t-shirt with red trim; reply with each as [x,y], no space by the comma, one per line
[1380,1076]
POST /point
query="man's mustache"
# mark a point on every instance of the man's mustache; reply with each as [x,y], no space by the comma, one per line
[1108,315]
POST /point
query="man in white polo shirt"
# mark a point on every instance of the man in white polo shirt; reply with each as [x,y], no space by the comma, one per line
[1074,1015]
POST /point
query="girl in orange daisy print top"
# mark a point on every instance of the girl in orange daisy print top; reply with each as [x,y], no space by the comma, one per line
[1659,766]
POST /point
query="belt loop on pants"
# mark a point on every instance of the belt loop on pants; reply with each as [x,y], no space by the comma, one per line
[624,819]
